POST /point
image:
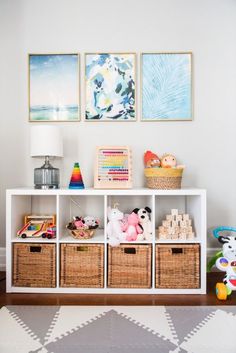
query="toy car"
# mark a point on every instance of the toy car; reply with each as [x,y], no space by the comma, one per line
[38,226]
[50,233]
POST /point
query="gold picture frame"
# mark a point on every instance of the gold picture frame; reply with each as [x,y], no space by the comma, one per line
[85,118]
[154,79]
[54,87]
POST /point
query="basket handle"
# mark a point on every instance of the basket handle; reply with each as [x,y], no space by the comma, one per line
[176,251]
[129,250]
[82,248]
[35,248]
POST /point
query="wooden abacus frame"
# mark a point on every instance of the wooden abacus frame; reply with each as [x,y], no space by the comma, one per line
[111,184]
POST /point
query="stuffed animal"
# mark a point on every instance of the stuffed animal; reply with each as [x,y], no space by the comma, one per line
[227,262]
[168,161]
[114,230]
[144,221]
[132,228]
[151,160]
[78,222]
[91,222]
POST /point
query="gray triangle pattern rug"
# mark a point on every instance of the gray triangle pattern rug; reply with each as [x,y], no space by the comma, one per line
[119,329]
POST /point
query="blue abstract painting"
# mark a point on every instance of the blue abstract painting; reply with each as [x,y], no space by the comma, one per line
[166,86]
[54,87]
[110,87]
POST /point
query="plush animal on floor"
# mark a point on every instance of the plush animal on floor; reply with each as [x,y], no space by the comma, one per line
[151,160]
[144,221]
[132,228]
[227,263]
[114,230]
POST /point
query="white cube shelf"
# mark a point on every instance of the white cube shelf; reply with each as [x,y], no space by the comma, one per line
[66,203]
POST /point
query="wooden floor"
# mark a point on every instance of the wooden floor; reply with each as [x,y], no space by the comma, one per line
[111,299]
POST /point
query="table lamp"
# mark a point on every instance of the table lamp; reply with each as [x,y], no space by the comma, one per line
[46,141]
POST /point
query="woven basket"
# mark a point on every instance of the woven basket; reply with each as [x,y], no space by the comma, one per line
[178,266]
[34,265]
[82,265]
[129,266]
[163,178]
[81,233]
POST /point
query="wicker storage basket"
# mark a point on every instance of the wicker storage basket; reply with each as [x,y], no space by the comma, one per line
[82,265]
[81,233]
[129,266]
[163,178]
[34,265]
[178,266]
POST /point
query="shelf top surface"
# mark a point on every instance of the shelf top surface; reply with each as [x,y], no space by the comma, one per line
[92,191]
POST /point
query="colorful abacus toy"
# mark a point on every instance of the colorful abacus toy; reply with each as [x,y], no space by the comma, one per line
[113,167]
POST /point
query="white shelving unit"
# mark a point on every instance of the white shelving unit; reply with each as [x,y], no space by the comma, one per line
[64,203]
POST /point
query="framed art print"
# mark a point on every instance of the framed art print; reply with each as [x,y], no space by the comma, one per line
[53,87]
[166,91]
[110,87]
[113,167]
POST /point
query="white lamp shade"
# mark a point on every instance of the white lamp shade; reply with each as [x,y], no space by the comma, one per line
[45,140]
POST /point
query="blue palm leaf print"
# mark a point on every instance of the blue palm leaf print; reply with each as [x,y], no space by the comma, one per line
[166,92]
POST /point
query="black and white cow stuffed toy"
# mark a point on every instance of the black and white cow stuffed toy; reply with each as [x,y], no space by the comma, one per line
[227,262]
[144,221]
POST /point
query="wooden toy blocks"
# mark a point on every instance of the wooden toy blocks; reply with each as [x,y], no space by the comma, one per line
[176,226]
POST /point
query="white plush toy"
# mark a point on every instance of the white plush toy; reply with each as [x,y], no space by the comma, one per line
[144,221]
[114,230]
[227,263]
[91,222]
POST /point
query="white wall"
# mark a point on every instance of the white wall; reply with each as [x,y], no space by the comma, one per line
[206,146]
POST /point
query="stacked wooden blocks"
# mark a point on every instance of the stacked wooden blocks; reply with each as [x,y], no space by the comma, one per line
[176,226]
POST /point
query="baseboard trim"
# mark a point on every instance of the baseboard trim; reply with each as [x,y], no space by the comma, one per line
[2,259]
[210,252]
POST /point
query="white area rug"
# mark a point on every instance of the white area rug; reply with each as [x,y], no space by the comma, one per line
[119,329]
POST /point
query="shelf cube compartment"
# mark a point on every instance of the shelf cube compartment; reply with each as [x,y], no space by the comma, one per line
[82,265]
[83,205]
[129,266]
[34,265]
[23,205]
[187,206]
[126,204]
[177,266]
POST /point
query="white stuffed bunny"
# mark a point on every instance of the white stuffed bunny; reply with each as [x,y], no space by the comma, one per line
[114,230]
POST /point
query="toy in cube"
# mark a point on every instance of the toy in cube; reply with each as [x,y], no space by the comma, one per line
[176,227]
[36,226]
[145,222]
[114,226]
[225,261]
[76,181]
[133,231]
[135,226]
[83,227]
